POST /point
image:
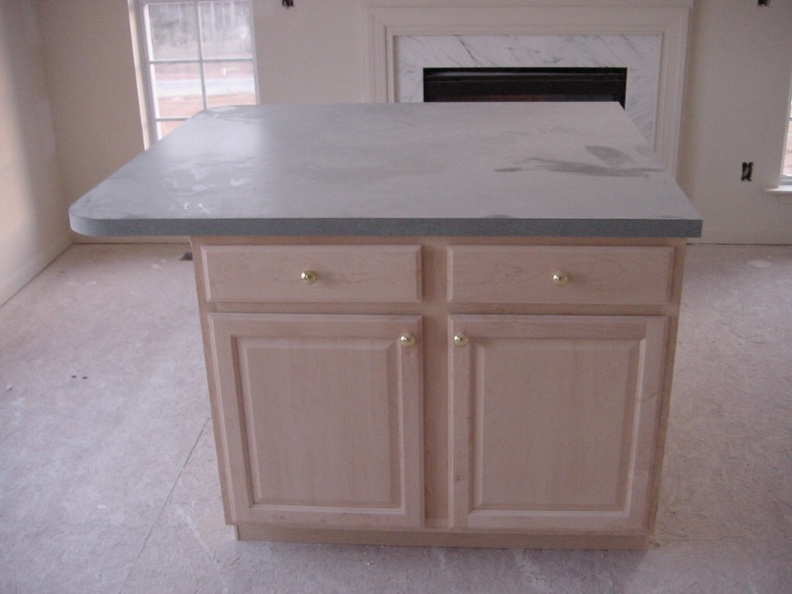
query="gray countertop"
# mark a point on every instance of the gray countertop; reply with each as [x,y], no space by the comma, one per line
[544,169]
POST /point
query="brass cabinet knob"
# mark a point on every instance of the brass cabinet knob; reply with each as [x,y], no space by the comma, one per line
[560,278]
[407,339]
[460,340]
[308,277]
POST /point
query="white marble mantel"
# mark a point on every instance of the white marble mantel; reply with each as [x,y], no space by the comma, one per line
[640,54]
[650,41]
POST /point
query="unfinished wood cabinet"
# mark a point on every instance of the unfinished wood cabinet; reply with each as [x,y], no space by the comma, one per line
[321,418]
[554,420]
[440,391]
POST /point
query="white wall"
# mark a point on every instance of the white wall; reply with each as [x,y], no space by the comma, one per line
[92,79]
[317,52]
[314,52]
[33,224]
[738,95]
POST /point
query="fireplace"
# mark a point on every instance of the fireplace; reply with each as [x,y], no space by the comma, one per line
[637,55]
[525,84]
[650,42]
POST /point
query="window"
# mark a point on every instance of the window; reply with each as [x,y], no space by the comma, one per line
[195,55]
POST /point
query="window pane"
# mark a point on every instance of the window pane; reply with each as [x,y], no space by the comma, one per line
[180,36]
[177,90]
[229,83]
[173,31]
[225,29]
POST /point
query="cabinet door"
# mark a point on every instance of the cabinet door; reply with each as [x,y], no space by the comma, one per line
[320,418]
[555,421]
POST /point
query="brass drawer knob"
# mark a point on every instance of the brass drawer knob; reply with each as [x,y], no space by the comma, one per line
[460,340]
[308,277]
[560,279]
[407,339]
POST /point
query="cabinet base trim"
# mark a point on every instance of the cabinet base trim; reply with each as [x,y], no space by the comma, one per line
[426,538]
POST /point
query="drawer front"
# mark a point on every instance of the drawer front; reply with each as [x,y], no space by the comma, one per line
[559,274]
[312,274]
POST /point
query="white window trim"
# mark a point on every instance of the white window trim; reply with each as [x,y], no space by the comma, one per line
[148,103]
[785,181]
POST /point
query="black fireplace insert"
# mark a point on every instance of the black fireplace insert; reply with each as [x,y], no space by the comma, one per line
[525,84]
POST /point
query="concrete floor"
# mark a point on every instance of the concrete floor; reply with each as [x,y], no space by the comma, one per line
[108,480]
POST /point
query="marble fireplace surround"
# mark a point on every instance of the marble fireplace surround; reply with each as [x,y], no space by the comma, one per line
[651,42]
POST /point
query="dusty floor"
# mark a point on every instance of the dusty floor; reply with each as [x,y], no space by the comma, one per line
[108,480]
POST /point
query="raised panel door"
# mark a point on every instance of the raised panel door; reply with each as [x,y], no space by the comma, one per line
[321,418]
[554,421]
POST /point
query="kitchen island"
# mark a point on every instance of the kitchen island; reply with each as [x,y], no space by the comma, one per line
[428,324]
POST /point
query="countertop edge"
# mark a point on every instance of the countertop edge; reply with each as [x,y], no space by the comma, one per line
[487,227]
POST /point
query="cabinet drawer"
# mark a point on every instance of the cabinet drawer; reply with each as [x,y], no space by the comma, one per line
[560,274]
[311,274]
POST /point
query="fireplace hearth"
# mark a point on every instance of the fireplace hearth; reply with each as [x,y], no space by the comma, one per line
[525,84]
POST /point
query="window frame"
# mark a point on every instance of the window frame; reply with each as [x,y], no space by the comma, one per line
[149,101]
[785,180]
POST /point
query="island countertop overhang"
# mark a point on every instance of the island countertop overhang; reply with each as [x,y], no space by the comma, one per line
[471,169]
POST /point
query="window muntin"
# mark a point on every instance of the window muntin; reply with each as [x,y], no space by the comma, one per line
[196,55]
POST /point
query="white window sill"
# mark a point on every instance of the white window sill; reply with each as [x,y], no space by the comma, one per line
[781,189]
